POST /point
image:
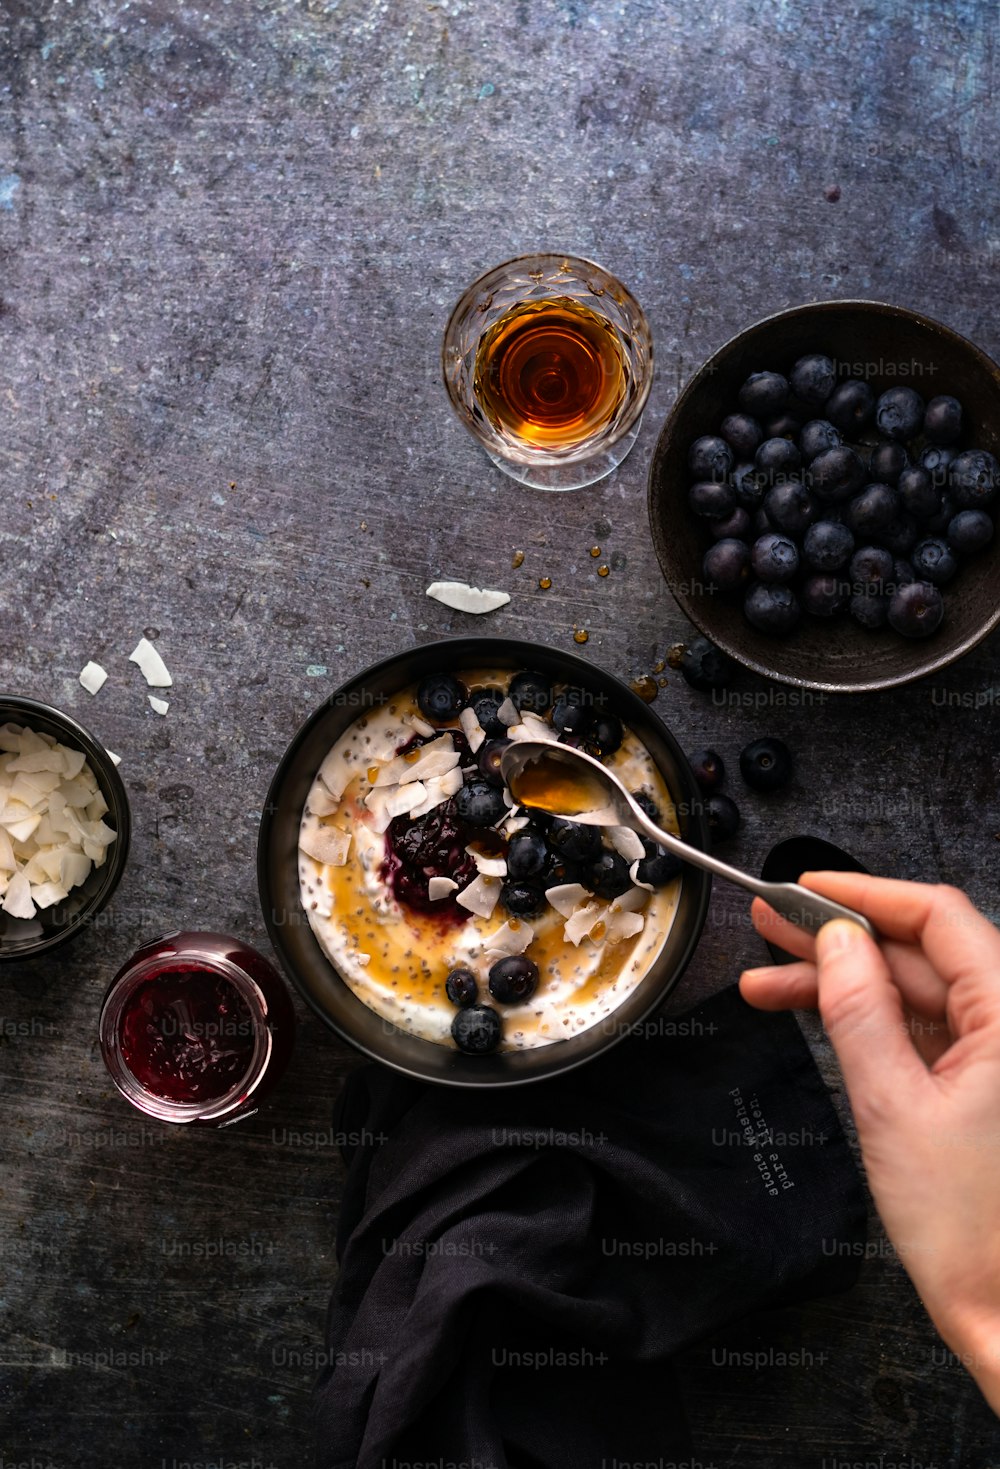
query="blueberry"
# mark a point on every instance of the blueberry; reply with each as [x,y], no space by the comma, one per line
[705,666]
[707,769]
[870,608]
[873,510]
[647,804]
[710,458]
[784,425]
[477,1029]
[813,378]
[735,526]
[887,462]
[571,839]
[902,573]
[748,486]
[851,406]
[899,414]
[777,457]
[530,690]
[934,561]
[871,567]
[939,522]
[773,609]
[571,712]
[488,760]
[937,459]
[766,764]
[723,816]
[975,479]
[901,536]
[836,474]
[916,611]
[760,525]
[712,500]
[917,494]
[522,899]
[480,804]
[658,867]
[484,703]
[527,854]
[943,419]
[969,531]
[742,433]
[441,697]
[827,546]
[461,987]
[607,732]
[609,876]
[790,507]
[763,394]
[726,565]
[514,979]
[816,437]
[775,558]
[824,594]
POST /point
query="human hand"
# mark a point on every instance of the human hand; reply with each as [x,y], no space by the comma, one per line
[915,1023]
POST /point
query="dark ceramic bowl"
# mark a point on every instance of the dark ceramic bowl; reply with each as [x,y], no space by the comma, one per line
[891,347]
[320,983]
[61,922]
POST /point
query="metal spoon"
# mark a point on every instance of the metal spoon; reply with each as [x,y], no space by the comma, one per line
[569,783]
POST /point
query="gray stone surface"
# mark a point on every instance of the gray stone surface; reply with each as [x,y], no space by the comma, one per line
[230,234]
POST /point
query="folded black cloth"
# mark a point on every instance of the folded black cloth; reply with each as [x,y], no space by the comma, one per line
[518,1268]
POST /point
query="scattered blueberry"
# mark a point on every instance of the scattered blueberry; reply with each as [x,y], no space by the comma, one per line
[770,608]
[609,876]
[934,561]
[441,697]
[902,573]
[659,866]
[816,437]
[828,546]
[916,611]
[975,479]
[851,406]
[873,510]
[513,980]
[824,594]
[870,608]
[969,531]
[488,759]
[736,526]
[901,536]
[766,764]
[480,804]
[790,507]
[777,457]
[943,419]
[723,816]
[577,842]
[748,486]
[939,522]
[937,459]
[899,414]
[763,394]
[705,666]
[742,433]
[775,558]
[522,899]
[917,493]
[710,458]
[477,1029]
[712,500]
[871,566]
[571,713]
[607,733]
[887,462]
[726,565]
[461,987]
[527,854]
[530,690]
[836,474]
[813,378]
[707,769]
[783,425]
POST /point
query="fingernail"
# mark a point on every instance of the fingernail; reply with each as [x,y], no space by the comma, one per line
[766,971]
[839,933]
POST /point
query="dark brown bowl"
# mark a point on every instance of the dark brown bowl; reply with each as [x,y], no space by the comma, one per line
[891,347]
[311,971]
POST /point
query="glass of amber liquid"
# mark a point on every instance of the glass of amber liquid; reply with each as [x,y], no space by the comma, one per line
[548,361]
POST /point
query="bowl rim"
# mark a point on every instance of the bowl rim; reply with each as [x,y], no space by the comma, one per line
[690,607]
[109,778]
[458,649]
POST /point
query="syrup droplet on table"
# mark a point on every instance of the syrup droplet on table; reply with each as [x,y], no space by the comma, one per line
[545,582]
[595,551]
[645,687]
[659,665]
[517,559]
[603,570]
[675,655]
[581,635]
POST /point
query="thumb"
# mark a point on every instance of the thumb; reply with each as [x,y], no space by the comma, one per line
[863,1014]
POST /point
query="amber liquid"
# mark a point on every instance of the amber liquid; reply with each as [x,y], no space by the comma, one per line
[550,373]
[550,784]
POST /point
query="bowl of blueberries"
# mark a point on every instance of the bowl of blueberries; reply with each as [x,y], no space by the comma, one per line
[822,497]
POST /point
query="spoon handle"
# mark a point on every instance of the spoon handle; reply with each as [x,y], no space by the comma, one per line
[798,904]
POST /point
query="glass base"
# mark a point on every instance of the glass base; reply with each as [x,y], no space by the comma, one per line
[569,476]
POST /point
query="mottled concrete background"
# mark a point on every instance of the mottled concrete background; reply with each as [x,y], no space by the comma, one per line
[230,237]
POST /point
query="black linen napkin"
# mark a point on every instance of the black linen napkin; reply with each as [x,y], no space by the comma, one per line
[518,1268]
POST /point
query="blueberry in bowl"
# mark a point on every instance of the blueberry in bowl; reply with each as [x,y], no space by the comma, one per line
[905,442]
[459,940]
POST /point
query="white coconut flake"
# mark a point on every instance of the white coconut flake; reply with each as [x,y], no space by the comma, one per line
[321,802]
[473,730]
[463,598]
[159,706]
[325,843]
[629,901]
[115,759]
[480,897]
[579,926]
[418,725]
[627,842]
[93,677]
[508,713]
[440,887]
[334,774]
[17,899]
[513,938]
[633,873]
[566,897]
[514,824]
[151,665]
[488,866]
[624,926]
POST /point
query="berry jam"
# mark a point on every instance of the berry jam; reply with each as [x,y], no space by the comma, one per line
[428,846]
[187,1035]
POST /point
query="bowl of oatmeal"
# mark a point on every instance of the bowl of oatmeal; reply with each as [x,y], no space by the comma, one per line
[432,922]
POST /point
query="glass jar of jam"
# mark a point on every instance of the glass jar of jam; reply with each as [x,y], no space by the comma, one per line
[196,1027]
